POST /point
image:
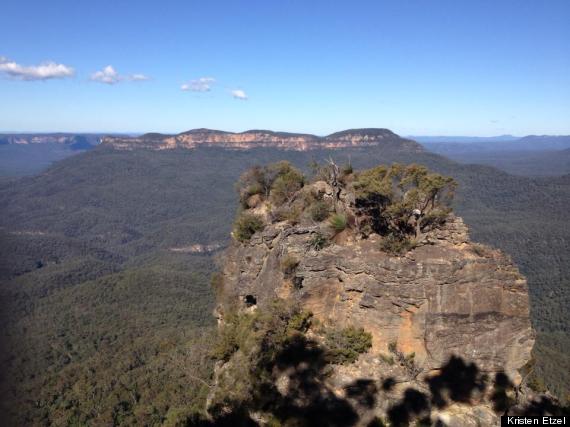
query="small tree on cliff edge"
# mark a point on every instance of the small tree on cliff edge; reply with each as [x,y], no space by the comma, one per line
[281,178]
[403,200]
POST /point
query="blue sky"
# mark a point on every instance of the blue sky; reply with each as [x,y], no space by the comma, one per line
[423,67]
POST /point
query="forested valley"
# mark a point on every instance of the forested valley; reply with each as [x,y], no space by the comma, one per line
[106,260]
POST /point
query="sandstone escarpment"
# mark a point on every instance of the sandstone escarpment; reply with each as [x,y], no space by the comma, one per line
[260,138]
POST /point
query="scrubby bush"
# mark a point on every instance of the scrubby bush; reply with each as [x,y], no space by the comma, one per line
[299,321]
[389,360]
[396,244]
[536,383]
[319,172]
[338,222]
[319,210]
[246,225]
[280,178]
[233,335]
[256,343]
[292,214]
[289,265]
[406,361]
[253,181]
[345,345]
[318,242]
[287,183]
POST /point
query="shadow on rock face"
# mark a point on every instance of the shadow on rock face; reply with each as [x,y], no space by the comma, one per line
[414,404]
[500,395]
[457,381]
[541,406]
[308,401]
[363,391]
[388,384]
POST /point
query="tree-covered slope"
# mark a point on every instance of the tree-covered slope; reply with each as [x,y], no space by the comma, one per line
[102,283]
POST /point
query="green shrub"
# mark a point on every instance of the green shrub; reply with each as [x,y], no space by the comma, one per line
[253,181]
[292,214]
[536,383]
[246,225]
[280,178]
[254,341]
[396,245]
[318,242]
[255,188]
[406,361]
[233,335]
[289,265]
[389,360]
[299,321]
[319,210]
[338,222]
[286,185]
[345,345]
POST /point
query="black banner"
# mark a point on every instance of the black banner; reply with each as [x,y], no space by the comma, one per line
[509,420]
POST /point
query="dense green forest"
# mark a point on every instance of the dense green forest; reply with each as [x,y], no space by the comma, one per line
[106,314]
[525,163]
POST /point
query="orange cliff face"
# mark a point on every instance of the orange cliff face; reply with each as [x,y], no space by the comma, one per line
[257,139]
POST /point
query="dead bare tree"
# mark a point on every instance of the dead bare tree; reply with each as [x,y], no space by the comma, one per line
[334,174]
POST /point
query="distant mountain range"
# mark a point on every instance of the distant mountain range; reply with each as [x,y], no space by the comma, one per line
[285,140]
[463,139]
[468,144]
[260,138]
[30,153]
[531,155]
[73,141]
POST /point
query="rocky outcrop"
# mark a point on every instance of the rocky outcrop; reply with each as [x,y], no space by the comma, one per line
[260,138]
[458,310]
[449,297]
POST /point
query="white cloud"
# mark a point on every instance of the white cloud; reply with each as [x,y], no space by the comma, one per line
[107,75]
[110,76]
[203,84]
[239,94]
[138,77]
[43,71]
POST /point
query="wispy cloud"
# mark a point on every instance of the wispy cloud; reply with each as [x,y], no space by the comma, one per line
[44,71]
[203,84]
[239,94]
[110,76]
[138,77]
[206,84]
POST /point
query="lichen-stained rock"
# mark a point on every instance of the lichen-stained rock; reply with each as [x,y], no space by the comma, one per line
[447,297]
